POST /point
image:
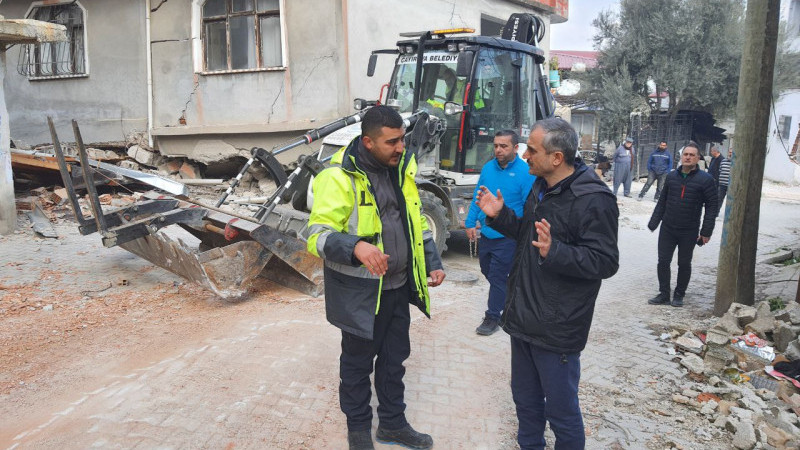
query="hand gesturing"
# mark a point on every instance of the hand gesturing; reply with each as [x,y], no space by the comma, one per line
[488,203]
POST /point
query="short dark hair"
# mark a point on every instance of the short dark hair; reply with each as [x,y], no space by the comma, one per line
[378,117]
[662,142]
[559,136]
[513,134]
[692,144]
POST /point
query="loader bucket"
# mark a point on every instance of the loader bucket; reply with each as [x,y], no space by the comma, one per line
[230,252]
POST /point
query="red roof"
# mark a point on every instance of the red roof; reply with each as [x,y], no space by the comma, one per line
[566,58]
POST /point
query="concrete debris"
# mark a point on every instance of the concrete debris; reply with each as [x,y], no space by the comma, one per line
[690,342]
[693,362]
[793,350]
[763,323]
[729,324]
[783,335]
[789,314]
[744,314]
[170,167]
[132,165]
[145,157]
[745,437]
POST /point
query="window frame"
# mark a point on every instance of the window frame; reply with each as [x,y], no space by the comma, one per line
[85,20]
[784,127]
[201,65]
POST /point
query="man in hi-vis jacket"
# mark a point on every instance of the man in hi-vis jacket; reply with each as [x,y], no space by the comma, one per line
[366,223]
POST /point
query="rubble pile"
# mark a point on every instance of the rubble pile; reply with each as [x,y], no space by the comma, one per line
[745,373]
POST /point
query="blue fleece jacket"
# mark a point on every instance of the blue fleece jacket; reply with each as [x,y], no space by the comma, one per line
[660,162]
[514,183]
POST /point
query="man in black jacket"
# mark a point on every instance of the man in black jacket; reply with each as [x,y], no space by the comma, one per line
[566,244]
[686,192]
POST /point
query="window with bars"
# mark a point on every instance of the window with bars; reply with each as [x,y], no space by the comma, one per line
[241,35]
[56,59]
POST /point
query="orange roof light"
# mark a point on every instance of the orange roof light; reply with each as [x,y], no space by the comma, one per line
[453,31]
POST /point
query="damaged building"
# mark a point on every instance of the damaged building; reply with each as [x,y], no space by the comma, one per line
[209,79]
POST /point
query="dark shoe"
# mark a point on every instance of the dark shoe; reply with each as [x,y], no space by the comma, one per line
[639,198]
[660,299]
[360,440]
[488,327]
[628,195]
[406,436]
[677,300]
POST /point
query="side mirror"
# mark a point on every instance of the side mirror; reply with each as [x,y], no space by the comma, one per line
[373,60]
[464,64]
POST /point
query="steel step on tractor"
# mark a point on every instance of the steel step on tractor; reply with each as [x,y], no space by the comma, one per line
[455,90]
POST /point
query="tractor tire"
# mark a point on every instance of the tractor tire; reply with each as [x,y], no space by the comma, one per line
[434,211]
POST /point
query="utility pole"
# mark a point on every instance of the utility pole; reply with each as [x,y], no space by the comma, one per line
[737,256]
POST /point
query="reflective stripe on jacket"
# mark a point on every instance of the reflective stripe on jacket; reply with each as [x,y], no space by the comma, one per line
[345,212]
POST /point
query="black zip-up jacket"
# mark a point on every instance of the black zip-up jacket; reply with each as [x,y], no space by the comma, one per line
[550,301]
[682,200]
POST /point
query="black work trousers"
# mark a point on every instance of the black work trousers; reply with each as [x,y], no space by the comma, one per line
[684,240]
[392,347]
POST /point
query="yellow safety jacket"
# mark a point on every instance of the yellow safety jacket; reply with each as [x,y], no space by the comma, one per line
[345,212]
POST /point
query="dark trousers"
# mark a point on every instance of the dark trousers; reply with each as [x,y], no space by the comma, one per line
[545,389]
[495,257]
[722,191]
[651,178]
[392,347]
[684,240]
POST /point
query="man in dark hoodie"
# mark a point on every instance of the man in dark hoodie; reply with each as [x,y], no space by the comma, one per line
[566,244]
[686,192]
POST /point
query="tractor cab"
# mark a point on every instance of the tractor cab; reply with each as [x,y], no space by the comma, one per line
[477,86]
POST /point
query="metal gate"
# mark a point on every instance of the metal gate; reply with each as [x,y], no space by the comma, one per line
[648,132]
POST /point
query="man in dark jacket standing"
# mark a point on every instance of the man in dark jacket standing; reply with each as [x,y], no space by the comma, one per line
[686,192]
[658,166]
[566,244]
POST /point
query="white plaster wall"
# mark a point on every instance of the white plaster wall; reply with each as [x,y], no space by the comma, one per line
[778,166]
[8,210]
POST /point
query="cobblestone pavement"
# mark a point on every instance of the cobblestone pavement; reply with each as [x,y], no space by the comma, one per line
[269,378]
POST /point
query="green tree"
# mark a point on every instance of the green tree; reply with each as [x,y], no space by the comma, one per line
[687,49]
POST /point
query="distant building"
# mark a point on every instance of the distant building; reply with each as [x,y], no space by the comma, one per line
[582,117]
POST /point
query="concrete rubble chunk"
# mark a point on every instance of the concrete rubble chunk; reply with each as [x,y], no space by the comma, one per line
[774,436]
[789,314]
[27,31]
[690,343]
[693,362]
[709,407]
[717,358]
[144,156]
[729,324]
[793,350]
[783,335]
[717,337]
[763,323]
[132,165]
[744,314]
[745,437]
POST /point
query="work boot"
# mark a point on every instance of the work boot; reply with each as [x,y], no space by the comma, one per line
[660,299]
[360,440]
[405,436]
[488,327]
[677,300]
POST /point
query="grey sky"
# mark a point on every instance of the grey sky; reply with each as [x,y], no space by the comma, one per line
[576,33]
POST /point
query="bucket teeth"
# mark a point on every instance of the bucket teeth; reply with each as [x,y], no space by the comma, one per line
[227,271]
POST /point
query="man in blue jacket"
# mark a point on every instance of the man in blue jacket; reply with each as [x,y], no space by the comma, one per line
[509,173]
[658,166]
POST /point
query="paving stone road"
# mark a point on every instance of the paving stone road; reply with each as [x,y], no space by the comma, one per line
[270,381]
